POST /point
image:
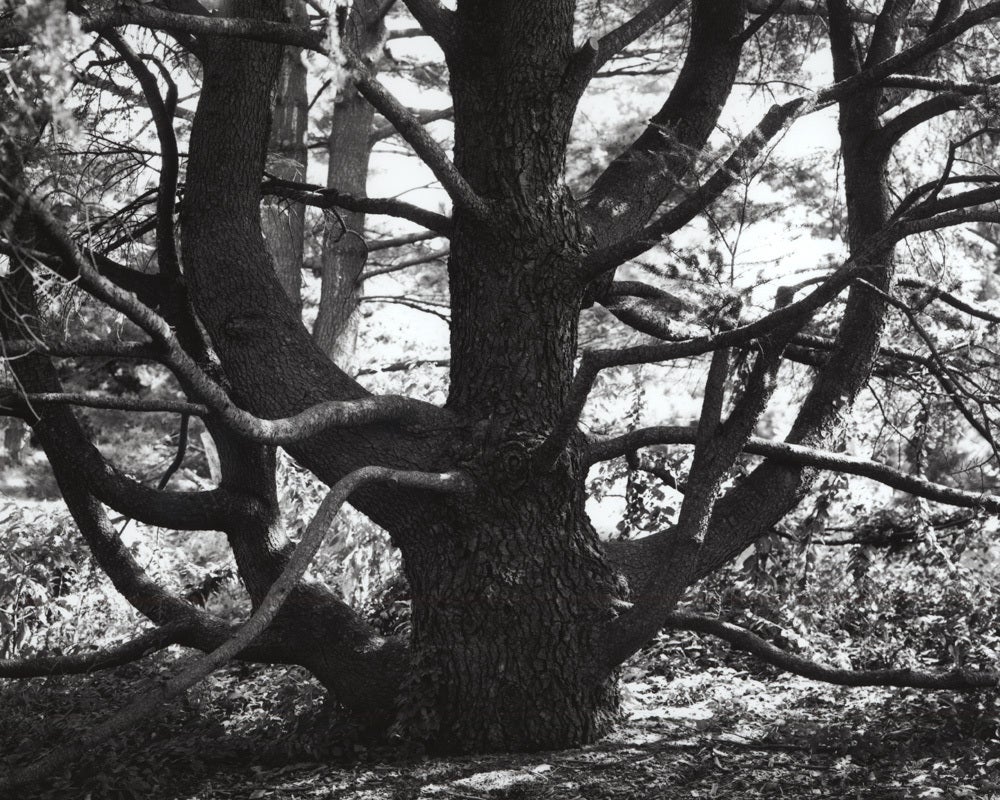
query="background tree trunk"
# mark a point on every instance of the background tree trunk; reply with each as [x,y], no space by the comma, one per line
[284,222]
[344,253]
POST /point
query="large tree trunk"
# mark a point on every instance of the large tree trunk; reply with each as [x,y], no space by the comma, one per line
[505,610]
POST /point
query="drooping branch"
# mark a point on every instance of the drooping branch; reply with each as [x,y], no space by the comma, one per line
[150,701]
[784,452]
[148,289]
[79,463]
[141,646]
[958,678]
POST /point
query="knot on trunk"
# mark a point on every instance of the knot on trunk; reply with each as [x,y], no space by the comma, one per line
[510,461]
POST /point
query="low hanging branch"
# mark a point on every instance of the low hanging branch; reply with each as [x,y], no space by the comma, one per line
[24,402]
[78,349]
[958,678]
[604,449]
[80,663]
[150,700]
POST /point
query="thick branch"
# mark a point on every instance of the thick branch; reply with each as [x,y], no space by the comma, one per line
[149,16]
[633,186]
[956,679]
[596,52]
[909,119]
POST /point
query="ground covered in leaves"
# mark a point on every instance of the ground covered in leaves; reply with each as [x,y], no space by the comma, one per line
[728,730]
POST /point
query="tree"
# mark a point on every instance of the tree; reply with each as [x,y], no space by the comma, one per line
[521,614]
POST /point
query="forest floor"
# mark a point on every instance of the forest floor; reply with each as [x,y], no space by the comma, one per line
[716,732]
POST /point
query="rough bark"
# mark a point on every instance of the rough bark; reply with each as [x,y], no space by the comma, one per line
[284,222]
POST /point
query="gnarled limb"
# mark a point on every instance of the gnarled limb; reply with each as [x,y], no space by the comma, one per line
[148,702]
[273,366]
[315,419]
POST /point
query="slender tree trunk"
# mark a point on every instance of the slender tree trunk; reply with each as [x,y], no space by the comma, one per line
[344,251]
[284,222]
